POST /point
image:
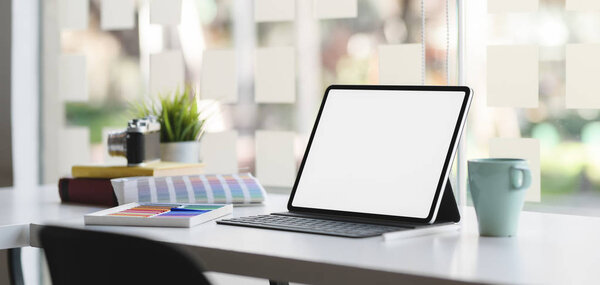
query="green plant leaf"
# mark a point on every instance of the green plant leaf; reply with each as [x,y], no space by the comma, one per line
[167,124]
[178,113]
[185,133]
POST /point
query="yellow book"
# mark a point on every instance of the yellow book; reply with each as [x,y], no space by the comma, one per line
[160,168]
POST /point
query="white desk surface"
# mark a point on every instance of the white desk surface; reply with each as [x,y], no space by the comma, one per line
[20,207]
[549,249]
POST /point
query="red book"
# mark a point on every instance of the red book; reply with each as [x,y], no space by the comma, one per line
[91,191]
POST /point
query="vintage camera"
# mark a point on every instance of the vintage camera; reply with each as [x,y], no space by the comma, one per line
[139,143]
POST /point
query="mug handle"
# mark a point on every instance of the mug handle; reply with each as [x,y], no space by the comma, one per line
[514,179]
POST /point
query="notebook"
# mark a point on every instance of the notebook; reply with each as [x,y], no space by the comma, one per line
[158,215]
[160,168]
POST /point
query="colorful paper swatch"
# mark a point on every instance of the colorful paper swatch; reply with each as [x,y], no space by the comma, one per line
[400,64]
[275,75]
[274,10]
[144,211]
[117,14]
[335,9]
[512,76]
[174,213]
[509,6]
[582,69]
[166,210]
[234,188]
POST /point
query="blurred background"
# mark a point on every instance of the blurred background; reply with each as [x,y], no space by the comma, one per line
[345,51]
[51,132]
[326,51]
[340,51]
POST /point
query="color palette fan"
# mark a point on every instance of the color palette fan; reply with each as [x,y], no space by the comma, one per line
[242,188]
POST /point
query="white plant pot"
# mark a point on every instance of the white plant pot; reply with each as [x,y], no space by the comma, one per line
[187,152]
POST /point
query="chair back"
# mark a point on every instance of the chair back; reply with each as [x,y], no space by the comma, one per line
[91,257]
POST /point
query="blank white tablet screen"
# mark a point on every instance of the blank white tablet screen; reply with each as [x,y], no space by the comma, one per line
[379,151]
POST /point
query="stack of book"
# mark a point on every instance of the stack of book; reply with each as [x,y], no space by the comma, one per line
[91,184]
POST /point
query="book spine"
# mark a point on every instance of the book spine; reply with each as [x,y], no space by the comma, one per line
[109,172]
[87,191]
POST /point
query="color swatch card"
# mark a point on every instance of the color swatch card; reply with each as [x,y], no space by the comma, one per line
[240,188]
[158,215]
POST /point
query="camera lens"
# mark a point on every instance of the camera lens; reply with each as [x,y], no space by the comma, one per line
[117,143]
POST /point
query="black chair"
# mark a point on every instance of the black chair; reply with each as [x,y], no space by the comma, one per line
[91,257]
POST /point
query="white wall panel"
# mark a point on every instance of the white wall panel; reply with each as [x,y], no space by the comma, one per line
[582,5]
[508,6]
[274,10]
[512,76]
[582,71]
[275,75]
[335,9]
[219,152]
[400,64]
[219,76]
[165,12]
[167,72]
[73,14]
[72,78]
[117,14]
[275,161]
[73,149]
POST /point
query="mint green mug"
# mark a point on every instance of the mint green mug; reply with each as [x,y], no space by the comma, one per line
[498,187]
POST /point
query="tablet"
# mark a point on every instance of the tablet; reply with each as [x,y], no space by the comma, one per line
[381,151]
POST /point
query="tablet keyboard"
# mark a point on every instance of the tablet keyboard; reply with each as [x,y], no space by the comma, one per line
[311,225]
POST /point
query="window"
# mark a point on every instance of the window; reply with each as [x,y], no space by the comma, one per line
[107,67]
[552,116]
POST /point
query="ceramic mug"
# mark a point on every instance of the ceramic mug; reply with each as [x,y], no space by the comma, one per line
[498,187]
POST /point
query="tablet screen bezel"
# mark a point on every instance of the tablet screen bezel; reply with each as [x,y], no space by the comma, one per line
[443,178]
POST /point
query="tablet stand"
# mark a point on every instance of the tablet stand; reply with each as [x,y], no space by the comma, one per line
[448,211]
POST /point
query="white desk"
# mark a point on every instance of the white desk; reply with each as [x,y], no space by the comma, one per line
[20,207]
[550,248]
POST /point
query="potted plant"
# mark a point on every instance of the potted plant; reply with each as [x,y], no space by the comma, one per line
[181,124]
